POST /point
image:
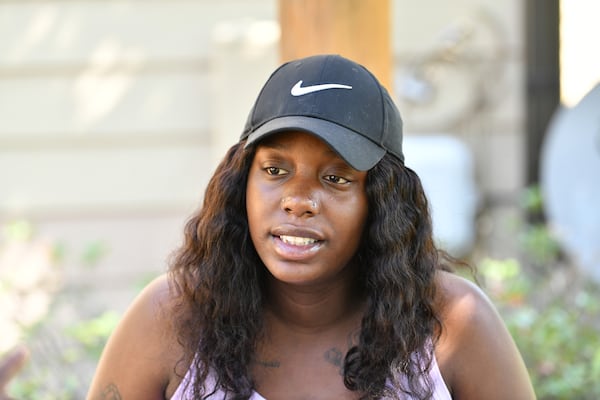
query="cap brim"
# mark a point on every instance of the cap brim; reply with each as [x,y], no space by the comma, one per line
[358,151]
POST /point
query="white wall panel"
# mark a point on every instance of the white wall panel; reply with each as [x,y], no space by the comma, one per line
[74,32]
[103,180]
[98,103]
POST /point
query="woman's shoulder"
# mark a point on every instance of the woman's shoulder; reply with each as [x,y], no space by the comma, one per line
[141,355]
[465,313]
[475,351]
[154,306]
[459,300]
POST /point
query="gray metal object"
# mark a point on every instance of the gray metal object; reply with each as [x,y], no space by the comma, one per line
[570,180]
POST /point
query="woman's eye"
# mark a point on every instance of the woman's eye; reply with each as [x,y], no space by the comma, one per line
[275,171]
[336,179]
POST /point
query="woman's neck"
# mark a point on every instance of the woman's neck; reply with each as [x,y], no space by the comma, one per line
[314,309]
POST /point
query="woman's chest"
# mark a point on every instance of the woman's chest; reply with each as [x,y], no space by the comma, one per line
[302,373]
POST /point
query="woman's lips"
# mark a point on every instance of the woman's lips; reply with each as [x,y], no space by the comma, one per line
[296,248]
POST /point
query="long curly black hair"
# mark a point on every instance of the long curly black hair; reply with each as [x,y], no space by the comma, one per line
[220,282]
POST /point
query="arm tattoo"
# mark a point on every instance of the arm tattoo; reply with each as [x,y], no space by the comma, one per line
[110,392]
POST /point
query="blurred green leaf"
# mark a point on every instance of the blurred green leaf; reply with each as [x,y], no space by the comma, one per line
[92,333]
[94,253]
[532,199]
[20,230]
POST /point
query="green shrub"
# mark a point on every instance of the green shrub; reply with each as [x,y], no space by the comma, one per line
[556,332]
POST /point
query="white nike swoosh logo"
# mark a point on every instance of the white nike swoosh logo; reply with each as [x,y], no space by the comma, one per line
[298,90]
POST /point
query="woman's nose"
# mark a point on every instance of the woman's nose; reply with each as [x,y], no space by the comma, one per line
[300,204]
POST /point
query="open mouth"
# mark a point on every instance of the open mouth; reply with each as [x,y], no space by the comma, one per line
[296,248]
[297,241]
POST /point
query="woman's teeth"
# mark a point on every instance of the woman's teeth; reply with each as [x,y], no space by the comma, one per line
[297,241]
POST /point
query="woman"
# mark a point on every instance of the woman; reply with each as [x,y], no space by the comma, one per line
[310,272]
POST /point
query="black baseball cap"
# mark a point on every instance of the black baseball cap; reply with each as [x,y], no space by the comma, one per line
[335,99]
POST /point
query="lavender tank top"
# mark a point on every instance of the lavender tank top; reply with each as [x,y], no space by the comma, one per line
[440,390]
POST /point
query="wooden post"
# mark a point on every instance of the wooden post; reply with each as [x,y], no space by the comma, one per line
[357,29]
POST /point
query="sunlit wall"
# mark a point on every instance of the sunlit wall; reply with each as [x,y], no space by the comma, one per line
[579,55]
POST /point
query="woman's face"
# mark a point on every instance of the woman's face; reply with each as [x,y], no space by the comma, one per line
[306,208]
